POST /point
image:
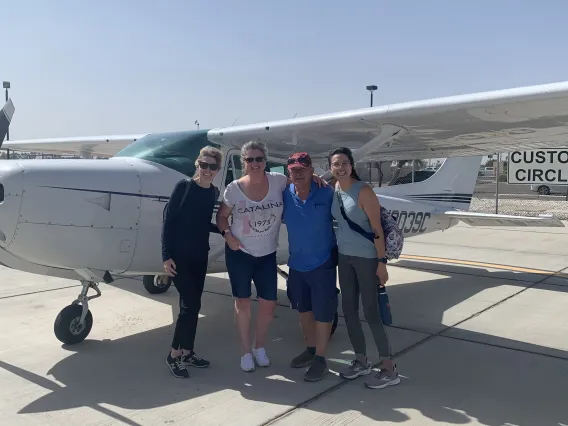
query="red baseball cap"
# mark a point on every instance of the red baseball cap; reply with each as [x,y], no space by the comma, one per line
[299,160]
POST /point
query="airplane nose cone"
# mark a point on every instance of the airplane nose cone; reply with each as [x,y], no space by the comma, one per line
[11,184]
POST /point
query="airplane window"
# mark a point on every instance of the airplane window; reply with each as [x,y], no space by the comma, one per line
[176,150]
[278,169]
[238,173]
[419,176]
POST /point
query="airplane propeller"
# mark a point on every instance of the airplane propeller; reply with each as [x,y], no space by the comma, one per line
[5,119]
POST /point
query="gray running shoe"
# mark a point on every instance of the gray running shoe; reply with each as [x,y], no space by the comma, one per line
[383,379]
[356,369]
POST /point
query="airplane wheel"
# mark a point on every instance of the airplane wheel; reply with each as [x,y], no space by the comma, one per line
[157,284]
[67,325]
[335,317]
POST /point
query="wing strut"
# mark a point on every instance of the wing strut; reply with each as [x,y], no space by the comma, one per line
[388,133]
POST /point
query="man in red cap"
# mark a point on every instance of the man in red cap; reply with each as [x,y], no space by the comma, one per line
[312,264]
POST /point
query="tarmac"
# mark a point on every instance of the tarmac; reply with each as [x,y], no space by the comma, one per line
[480,335]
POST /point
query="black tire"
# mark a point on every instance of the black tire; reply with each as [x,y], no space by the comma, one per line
[157,284]
[67,328]
[335,317]
[544,190]
[334,325]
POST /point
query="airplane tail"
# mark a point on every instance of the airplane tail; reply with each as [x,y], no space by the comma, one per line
[451,186]
[6,115]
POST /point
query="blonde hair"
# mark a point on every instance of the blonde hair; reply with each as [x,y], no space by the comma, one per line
[250,145]
[209,151]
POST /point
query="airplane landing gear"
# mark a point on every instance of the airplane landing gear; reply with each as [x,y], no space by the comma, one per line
[156,284]
[74,322]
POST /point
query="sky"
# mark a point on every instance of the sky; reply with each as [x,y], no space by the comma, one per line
[105,67]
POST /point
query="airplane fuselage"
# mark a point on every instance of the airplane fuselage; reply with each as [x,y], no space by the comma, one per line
[106,215]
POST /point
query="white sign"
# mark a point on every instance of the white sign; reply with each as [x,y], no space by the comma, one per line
[538,166]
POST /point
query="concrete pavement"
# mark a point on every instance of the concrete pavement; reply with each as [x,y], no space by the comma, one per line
[481,342]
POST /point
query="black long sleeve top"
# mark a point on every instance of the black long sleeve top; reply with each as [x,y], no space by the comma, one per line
[186,228]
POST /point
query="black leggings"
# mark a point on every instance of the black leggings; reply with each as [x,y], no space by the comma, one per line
[189,281]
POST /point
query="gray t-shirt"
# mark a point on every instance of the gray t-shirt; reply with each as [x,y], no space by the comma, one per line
[256,224]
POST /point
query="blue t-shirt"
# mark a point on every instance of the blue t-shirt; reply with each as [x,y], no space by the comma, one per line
[310,227]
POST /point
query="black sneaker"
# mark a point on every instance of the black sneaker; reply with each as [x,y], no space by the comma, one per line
[176,366]
[317,370]
[192,360]
[302,360]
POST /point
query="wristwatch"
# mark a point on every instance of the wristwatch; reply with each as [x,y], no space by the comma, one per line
[383,260]
[225,232]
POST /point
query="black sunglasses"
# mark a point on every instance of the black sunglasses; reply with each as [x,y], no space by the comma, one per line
[203,165]
[257,159]
[302,160]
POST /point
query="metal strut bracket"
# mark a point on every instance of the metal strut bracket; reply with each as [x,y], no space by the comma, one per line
[282,273]
[83,299]
[387,133]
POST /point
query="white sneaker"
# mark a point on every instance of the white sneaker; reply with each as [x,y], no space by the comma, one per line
[261,357]
[247,363]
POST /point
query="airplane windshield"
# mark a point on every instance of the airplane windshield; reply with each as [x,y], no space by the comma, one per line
[177,150]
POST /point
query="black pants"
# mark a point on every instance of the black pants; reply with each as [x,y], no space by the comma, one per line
[189,281]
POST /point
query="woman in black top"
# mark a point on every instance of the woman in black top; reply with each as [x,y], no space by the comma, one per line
[185,250]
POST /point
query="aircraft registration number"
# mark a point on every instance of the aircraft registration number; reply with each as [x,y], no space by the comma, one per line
[411,222]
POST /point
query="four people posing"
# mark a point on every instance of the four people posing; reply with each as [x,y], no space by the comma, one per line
[258,203]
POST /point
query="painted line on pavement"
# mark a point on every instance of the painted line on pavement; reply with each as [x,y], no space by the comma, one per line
[483,265]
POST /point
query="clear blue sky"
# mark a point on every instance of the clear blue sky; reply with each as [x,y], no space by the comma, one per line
[106,67]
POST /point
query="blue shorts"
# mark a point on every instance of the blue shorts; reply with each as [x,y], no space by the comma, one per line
[315,291]
[243,267]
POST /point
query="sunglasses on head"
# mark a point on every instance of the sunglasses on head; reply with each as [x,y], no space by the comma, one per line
[256,159]
[203,165]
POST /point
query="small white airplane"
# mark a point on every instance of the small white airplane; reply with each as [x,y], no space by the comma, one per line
[91,220]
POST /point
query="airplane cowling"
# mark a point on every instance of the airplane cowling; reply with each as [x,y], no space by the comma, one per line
[78,214]
[11,178]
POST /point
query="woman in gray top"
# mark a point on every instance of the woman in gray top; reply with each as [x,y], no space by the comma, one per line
[362,268]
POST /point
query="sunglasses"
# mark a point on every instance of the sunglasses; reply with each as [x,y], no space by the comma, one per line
[302,160]
[203,165]
[256,159]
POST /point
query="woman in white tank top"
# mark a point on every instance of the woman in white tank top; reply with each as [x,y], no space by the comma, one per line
[255,202]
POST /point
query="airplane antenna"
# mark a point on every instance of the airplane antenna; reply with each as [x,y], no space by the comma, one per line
[197,124]
[295,115]
[236,119]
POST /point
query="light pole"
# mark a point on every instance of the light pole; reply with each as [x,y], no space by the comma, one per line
[6,86]
[371,89]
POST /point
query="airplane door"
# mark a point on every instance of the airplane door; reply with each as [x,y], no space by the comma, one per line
[231,171]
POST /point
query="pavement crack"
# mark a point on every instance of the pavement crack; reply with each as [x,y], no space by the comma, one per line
[500,302]
[11,296]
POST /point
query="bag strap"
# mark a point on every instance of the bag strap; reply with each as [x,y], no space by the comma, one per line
[216,193]
[352,224]
[187,185]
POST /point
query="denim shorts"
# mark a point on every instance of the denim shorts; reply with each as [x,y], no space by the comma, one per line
[315,291]
[244,268]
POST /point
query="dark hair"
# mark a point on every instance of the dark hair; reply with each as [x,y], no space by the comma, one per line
[347,152]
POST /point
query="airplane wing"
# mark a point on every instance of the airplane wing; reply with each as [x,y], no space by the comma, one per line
[524,118]
[103,146]
[488,219]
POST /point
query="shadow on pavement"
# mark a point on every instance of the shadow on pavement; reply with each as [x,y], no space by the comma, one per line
[446,380]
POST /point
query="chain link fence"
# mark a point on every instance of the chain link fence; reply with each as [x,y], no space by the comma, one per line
[491,196]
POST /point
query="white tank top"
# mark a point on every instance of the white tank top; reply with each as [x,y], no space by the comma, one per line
[256,224]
